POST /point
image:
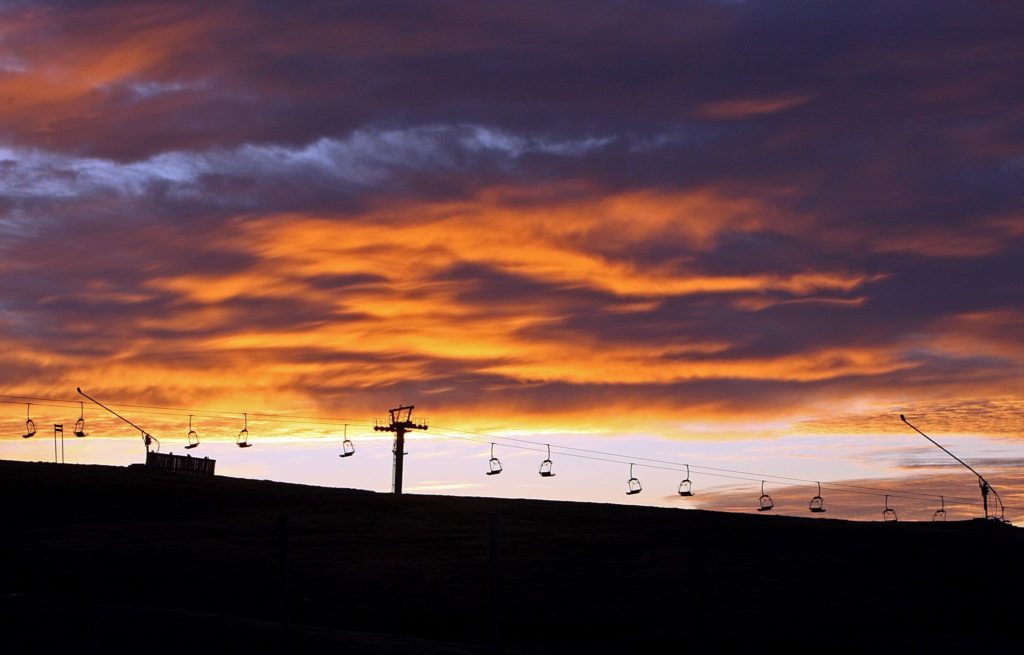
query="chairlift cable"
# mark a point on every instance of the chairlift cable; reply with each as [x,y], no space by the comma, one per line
[652,463]
[184,411]
[752,476]
[289,418]
[704,469]
[718,475]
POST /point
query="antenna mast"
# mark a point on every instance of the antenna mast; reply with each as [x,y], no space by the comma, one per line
[982,482]
[399,421]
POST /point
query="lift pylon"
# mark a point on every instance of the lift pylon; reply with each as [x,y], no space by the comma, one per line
[399,421]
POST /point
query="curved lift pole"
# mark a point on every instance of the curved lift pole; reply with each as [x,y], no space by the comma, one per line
[982,482]
[147,438]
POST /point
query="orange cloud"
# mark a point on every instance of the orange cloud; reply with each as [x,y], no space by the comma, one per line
[575,242]
[744,108]
[60,90]
[406,304]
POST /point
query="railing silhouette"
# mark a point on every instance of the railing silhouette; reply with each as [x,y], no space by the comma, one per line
[181,464]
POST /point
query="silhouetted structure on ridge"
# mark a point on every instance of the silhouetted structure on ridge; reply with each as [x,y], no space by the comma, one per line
[983,484]
[147,439]
[399,421]
[181,464]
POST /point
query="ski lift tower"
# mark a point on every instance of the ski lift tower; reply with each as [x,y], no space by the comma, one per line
[399,421]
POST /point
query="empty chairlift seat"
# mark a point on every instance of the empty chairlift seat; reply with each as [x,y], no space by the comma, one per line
[545,466]
[243,436]
[193,438]
[80,423]
[686,487]
[765,501]
[347,449]
[889,515]
[940,514]
[494,464]
[817,504]
[30,425]
[633,485]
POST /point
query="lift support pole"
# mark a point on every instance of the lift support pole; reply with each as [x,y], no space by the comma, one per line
[982,482]
[399,421]
[147,438]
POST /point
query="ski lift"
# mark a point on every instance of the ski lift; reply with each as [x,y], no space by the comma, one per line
[940,514]
[193,438]
[30,425]
[243,437]
[80,423]
[817,504]
[686,487]
[545,466]
[633,486]
[889,515]
[765,501]
[494,464]
[347,449]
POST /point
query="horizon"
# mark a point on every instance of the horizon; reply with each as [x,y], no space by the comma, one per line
[854,475]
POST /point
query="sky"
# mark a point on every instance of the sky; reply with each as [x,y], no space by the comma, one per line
[702,231]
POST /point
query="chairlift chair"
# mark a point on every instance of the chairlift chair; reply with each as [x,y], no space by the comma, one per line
[817,504]
[765,501]
[633,485]
[243,437]
[545,466]
[347,449]
[889,515]
[80,423]
[494,464]
[193,438]
[30,425]
[940,514]
[686,487]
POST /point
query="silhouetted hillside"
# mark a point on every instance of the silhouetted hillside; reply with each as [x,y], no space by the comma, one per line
[103,558]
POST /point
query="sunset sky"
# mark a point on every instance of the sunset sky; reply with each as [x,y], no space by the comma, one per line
[742,234]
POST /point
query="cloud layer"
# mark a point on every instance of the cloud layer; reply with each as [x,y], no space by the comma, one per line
[745,213]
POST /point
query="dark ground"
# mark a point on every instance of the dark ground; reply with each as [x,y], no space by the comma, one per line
[110,559]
